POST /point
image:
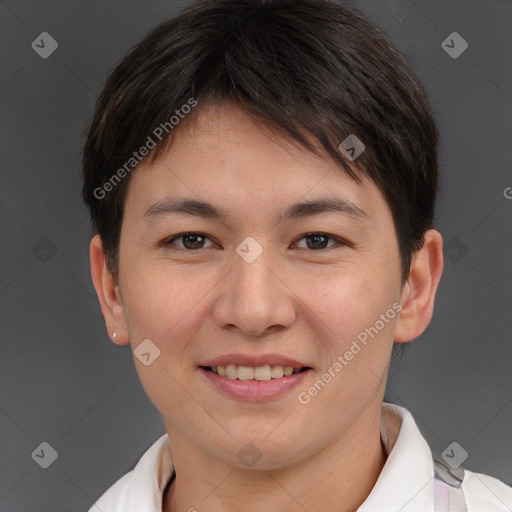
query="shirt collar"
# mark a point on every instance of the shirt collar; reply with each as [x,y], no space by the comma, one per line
[404,485]
[406,482]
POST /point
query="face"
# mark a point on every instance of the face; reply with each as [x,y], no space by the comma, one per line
[266,278]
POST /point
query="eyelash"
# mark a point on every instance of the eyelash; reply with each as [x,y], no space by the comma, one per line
[169,241]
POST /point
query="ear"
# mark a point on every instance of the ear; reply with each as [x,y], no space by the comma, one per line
[108,293]
[419,291]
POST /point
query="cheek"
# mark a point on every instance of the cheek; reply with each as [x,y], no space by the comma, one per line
[165,305]
[346,304]
[354,342]
[340,299]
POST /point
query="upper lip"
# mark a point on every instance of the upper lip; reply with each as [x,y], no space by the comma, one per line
[261,360]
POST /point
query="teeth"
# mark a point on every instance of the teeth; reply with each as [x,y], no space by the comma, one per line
[245,373]
[266,372]
[277,371]
[262,372]
[230,371]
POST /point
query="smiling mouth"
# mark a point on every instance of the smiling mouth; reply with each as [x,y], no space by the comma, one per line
[260,373]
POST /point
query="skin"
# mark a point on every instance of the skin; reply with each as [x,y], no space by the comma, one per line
[301,301]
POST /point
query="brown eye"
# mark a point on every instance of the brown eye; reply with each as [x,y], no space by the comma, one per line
[190,241]
[319,241]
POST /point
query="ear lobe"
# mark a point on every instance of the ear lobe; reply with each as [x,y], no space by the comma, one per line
[108,293]
[419,292]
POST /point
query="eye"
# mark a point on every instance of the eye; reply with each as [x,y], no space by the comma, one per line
[319,240]
[191,241]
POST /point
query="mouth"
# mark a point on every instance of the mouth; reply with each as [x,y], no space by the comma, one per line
[254,383]
[257,373]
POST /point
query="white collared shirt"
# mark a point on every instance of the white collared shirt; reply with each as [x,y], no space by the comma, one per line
[405,484]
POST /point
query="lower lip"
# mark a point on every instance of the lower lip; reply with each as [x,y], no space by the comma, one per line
[254,390]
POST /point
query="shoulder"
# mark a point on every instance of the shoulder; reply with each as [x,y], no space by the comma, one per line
[112,499]
[485,493]
[142,485]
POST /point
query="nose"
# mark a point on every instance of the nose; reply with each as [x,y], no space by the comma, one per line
[254,298]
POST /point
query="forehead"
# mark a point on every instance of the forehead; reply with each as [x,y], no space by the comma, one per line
[223,153]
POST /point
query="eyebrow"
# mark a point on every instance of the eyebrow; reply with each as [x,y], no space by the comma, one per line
[303,209]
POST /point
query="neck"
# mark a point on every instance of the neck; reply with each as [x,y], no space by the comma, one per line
[338,477]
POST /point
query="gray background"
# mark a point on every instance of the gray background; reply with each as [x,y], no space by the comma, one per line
[64,382]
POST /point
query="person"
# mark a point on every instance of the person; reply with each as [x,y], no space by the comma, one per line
[261,178]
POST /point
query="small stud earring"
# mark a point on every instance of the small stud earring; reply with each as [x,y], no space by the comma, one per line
[114,335]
